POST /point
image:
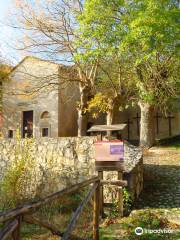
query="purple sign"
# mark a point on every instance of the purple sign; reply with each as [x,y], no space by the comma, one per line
[116,149]
[109,151]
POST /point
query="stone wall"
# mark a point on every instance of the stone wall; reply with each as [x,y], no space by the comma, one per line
[54,163]
[135,180]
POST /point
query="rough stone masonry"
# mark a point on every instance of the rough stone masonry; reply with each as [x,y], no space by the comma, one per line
[55,163]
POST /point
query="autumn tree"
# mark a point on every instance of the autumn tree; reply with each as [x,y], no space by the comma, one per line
[50,30]
[113,88]
[146,32]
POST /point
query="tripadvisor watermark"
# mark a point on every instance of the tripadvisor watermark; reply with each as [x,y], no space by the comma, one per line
[139,231]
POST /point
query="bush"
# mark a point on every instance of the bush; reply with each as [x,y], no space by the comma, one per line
[15,187]
[127,201]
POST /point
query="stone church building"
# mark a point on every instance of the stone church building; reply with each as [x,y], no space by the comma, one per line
[34,103]
[48,109]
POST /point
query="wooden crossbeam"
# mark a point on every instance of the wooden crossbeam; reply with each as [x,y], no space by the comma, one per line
[121,183]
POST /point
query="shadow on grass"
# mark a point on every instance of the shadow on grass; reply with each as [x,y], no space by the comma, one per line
[173,143]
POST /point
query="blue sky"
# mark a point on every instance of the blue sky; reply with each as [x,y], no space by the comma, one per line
[8,34]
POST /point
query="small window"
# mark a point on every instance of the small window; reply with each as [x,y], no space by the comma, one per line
[10,134]
[45,115]
[45,132]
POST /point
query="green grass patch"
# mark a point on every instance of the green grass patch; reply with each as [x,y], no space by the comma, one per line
[170,143]
[147,220]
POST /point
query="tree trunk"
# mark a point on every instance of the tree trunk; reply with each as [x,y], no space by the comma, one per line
[110,115]
[82,123]
[82,115]
[147,128]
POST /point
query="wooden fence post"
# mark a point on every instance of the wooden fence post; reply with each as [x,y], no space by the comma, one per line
[101,194]
[16,234]
[96,208]
[120,195]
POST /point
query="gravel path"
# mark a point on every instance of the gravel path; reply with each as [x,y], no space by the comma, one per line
[161,194]
[161,180]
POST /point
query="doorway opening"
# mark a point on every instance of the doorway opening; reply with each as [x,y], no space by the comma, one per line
[27,124]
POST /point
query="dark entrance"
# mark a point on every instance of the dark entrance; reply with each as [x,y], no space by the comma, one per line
[28,124]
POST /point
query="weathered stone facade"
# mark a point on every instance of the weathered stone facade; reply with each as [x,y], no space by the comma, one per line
[36,86]
[59,162]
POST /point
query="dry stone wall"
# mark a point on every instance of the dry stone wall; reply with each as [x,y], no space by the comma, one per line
[54,163]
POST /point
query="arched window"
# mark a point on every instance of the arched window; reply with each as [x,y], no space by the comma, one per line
[45,115]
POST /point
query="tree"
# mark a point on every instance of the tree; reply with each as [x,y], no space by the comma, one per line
[50,31]
[113,88]
[146,32]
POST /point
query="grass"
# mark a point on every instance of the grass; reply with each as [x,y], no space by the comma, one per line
[124,229]
[30,230]
[175,145]
[172,143]
[82,230]
[58,213]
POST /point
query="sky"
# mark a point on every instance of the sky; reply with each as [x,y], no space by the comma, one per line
[7,34]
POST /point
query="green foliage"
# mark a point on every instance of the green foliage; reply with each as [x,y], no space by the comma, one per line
[124,228]
[15,185]
[127,201]
[127,204]
[150,221]
[115,209]
[146,33]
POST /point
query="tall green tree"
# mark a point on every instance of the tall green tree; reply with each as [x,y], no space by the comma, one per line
[147,32]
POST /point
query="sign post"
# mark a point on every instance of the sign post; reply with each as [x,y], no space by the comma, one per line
[109,156]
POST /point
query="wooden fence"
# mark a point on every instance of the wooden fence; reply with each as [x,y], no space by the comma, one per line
[13,219]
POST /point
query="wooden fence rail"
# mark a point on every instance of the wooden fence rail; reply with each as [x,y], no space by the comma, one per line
[14,217]
[8,229]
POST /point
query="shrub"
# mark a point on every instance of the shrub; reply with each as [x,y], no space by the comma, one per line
[127,201]
[15,187]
